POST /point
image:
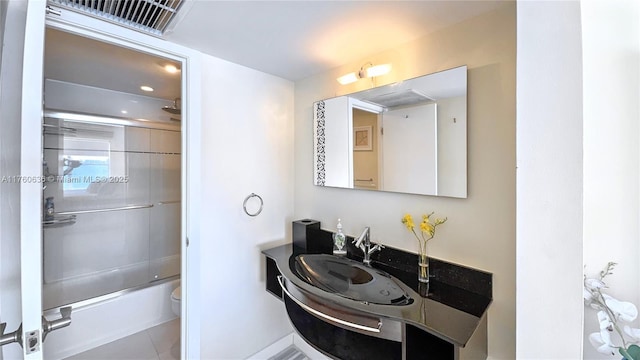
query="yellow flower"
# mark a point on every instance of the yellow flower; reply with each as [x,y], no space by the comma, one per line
[407,220]
[427,229]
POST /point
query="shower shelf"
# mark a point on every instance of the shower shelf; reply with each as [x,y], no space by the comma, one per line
[59,221]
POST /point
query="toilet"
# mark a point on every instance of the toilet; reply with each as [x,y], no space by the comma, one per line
[176,297]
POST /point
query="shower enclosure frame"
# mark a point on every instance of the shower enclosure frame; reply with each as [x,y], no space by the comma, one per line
[31,164]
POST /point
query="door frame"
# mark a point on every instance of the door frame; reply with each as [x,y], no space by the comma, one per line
[31,159]
[30,189]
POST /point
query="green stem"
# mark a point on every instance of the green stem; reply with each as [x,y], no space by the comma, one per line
[422,241]
[419,241]
[612,316]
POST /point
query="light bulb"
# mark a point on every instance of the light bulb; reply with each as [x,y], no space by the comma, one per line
[378,70]
[348,79]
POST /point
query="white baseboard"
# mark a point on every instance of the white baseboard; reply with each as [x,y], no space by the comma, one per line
[285,342]
[273,349]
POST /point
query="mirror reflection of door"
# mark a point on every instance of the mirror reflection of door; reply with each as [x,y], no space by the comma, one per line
[365,150]
[410,154]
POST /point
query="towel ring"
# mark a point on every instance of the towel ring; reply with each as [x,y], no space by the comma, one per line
[244,204]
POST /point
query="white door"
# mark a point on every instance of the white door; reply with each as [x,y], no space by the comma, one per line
[30,186]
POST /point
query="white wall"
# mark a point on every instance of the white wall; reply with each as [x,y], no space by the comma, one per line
[549,181]
[611,78]
[481,229]
[247,138]
[11,77]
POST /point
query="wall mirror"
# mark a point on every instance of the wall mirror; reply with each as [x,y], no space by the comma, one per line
[408,137]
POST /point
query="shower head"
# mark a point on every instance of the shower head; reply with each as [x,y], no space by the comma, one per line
[175,109]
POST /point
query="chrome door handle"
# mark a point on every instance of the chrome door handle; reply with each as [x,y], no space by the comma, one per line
[326,316]
[51,325]
[11,337]
[47,327]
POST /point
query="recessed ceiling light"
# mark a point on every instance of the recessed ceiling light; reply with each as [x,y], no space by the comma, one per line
[123,111]
[172,69]
[146,88]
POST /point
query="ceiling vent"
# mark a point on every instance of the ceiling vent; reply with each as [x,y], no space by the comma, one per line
[149,16]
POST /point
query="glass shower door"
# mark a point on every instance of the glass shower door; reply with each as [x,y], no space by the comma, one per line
[115,192]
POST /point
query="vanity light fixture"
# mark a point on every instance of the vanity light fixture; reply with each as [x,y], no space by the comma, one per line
[348,78]
[367,70]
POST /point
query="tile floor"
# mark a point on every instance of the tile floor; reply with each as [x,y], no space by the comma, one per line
[161,342]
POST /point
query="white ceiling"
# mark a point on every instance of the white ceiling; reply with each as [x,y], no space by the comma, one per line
[289,39]
[297,39]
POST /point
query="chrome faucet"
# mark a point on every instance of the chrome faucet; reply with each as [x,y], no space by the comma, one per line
[363,242]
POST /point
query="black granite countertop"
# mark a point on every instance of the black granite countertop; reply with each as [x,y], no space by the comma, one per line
[451,306]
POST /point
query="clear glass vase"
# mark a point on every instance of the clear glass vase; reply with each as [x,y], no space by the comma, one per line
[423,267]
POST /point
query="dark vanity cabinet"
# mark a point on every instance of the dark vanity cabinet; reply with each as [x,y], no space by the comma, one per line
[445,322]
[272,278]
[421,345]
[336,341]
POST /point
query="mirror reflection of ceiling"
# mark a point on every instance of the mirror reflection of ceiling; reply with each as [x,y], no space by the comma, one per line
[79,60]
[422,89]
[298,39]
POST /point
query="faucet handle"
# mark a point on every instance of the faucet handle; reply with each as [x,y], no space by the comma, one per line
[378,247]
[357,241]
[360,240]
[363,237]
